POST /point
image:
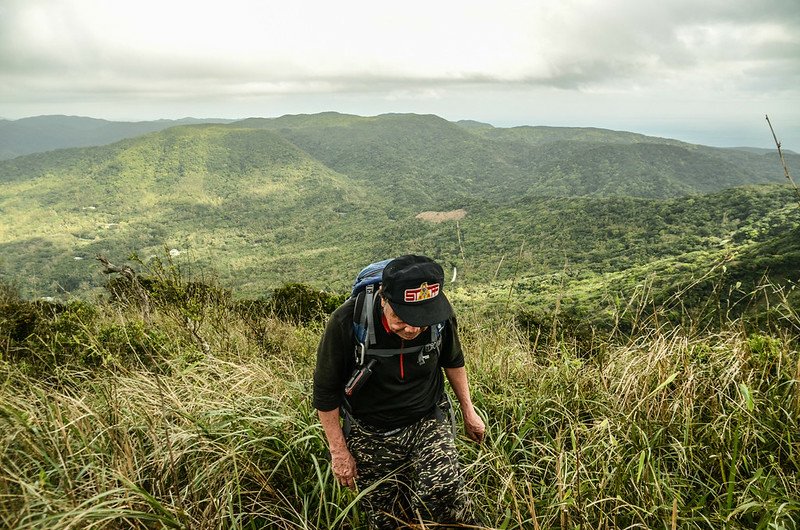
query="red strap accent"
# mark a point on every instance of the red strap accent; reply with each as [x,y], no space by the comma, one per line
[402,343]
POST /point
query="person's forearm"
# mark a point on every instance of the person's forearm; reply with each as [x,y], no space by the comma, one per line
[473,424]
[458,382]
[342,462]
[333,430]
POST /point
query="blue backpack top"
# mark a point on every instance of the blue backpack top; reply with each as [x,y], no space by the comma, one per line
[369,275]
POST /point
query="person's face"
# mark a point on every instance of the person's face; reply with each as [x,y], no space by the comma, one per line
[398,327]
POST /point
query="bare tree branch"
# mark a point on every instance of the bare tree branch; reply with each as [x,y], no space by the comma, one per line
[783,160]
[141,294]
[110,268]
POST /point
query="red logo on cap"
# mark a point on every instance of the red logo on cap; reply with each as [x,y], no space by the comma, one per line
[423,292]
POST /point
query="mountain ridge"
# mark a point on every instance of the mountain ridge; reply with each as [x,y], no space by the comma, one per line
[309,197]
[37,134]
[392,147]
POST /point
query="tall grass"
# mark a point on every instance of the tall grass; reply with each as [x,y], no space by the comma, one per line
[209,425]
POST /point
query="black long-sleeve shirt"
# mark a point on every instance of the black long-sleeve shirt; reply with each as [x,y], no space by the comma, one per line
[402,389]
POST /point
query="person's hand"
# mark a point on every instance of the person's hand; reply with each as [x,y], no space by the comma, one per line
[474,427]
[344,467]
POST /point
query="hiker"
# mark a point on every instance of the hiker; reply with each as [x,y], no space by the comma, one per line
[379,368]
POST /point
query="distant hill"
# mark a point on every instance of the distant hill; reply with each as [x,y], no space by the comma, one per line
[45,133]
[418,159]
[538,135]
[462,159]
[401,151]
[310,197]
[472,124]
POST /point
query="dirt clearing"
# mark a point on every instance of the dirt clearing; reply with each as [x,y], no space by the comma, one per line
[440,217]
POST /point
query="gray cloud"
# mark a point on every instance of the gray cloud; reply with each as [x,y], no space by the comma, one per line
[601,57]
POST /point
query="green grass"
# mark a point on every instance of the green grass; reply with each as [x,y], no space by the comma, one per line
[193,411]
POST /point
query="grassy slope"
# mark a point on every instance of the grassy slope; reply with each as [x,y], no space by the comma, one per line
[732,278]
[126,417]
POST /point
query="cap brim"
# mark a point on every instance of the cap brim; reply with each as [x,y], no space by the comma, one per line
[435,310]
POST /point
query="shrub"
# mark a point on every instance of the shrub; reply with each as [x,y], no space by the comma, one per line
[42,335]
[297,302]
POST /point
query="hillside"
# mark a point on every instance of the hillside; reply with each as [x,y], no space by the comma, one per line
[588,254]
[457,160]
[234,198]
[310,198]
[46,133]
[564,303]
[195,411]
[600,162]
[422,160]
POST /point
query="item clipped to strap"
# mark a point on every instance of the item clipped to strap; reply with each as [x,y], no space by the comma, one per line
[358,378]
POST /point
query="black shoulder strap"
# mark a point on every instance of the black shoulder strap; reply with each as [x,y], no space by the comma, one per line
[363,322]
[368,318]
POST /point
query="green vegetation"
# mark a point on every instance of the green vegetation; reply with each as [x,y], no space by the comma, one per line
[264,202]
[170,404]
[400,152]
[628,305]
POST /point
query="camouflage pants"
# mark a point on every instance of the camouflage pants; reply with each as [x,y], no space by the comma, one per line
[413,473]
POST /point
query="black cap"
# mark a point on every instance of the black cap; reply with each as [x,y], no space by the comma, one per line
[414,287]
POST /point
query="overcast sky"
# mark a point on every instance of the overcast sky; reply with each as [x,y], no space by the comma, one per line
[704,71]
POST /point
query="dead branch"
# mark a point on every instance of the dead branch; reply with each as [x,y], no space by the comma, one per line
[110,268]
[142,297]
[783,160]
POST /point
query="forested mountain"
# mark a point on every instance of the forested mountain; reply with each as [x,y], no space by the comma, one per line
[45,133]
[457,161]
[310,198]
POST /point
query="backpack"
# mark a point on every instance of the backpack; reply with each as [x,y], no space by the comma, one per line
[365,292]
